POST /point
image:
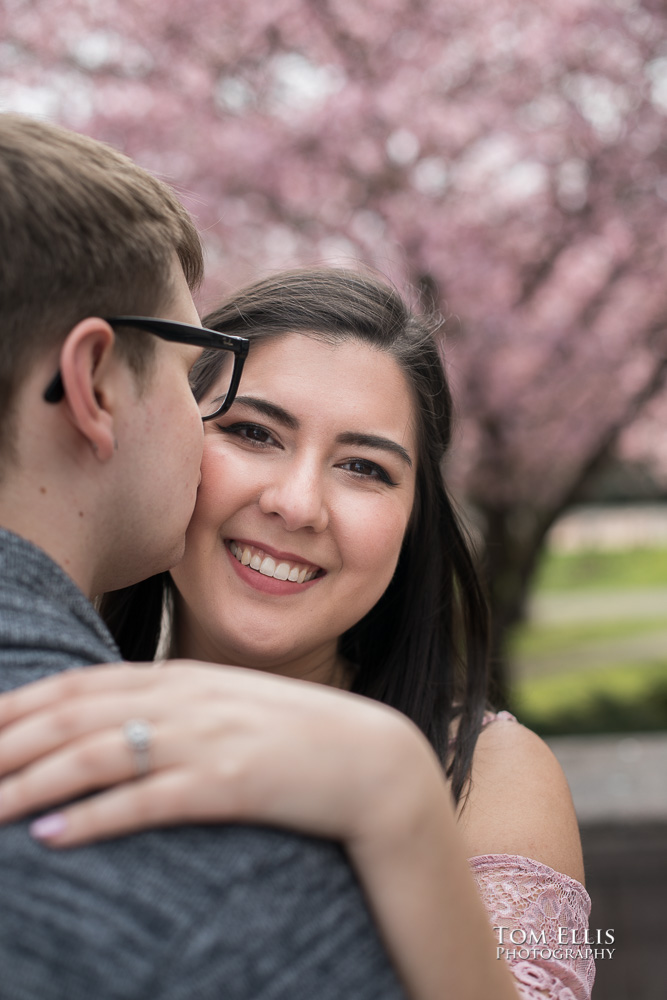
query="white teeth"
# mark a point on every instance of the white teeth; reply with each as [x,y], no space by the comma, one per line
[268,566]
[281,571]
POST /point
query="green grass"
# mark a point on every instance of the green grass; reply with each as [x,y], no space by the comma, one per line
[532,641]
[624,699]
[635,568]
[619,697]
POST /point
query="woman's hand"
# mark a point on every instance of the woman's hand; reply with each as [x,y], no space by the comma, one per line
[227,744]
[231,744]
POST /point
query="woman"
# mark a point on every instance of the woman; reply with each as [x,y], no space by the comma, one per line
[324,548]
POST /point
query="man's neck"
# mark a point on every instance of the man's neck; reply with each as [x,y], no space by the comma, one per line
[65,536]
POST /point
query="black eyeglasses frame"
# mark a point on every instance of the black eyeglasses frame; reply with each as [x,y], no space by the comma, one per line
[179,333]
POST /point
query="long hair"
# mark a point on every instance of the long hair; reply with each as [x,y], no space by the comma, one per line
[423,647]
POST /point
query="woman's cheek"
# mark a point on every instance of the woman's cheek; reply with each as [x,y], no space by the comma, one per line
[224,476]
[374,539]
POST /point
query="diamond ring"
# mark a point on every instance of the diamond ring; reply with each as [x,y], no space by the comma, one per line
[138,734]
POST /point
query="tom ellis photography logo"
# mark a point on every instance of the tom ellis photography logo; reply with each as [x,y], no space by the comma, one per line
[566,944]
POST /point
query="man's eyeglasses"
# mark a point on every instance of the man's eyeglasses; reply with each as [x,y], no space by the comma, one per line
[182,333]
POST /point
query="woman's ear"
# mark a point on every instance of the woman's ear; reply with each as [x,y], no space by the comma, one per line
[85,364]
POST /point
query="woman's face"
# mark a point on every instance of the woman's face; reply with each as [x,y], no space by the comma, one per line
[306,492]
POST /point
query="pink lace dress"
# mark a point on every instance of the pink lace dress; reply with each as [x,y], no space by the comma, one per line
[540,918]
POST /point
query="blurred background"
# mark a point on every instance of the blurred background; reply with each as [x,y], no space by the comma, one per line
[506,163]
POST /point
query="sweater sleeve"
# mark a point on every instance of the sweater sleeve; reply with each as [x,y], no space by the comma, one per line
[540,918]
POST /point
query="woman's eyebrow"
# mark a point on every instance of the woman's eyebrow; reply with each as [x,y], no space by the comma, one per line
[270,410]
[374,441]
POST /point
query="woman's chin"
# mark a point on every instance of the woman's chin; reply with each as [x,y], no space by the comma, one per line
[273,656]
[260,654]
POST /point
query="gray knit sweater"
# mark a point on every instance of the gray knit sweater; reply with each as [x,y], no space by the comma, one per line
[191,913]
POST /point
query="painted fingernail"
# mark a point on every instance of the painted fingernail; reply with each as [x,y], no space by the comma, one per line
[48,826]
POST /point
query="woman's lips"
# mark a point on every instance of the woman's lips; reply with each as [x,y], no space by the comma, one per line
[273,565]
[271,572]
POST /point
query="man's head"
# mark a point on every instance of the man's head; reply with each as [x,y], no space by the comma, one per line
[87,234]
[83,232]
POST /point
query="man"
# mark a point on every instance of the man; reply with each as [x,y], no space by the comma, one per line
[100,443]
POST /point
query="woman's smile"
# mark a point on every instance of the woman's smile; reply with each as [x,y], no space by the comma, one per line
[269,571]
[303,505]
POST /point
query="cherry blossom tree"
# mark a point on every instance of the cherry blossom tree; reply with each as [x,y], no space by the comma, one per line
[505,160]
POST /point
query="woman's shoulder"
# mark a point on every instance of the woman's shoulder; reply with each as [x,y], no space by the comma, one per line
[503,716]
[518,801]
[489,716]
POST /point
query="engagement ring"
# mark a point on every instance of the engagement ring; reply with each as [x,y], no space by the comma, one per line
[138,734]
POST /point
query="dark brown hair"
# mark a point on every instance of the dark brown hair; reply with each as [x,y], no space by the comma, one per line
[423,647]
[83,232]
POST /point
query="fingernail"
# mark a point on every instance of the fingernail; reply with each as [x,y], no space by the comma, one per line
[48,826]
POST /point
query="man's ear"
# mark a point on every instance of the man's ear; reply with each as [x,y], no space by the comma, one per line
[85,363]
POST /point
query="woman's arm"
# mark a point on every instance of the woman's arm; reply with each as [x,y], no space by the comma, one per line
[519,801]
[232,744]
[521,833]
[412,863]
[518,826]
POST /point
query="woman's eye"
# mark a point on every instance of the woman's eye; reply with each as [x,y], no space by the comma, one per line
[368,470]
[253,433]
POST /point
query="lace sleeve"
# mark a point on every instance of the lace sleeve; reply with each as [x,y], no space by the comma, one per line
[541,919]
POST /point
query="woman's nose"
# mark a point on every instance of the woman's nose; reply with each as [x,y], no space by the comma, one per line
[297,497]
